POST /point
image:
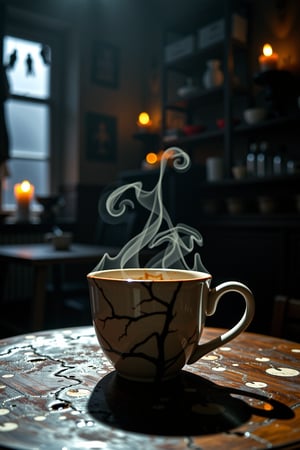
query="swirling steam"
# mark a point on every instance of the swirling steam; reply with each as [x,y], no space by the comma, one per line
[173,243]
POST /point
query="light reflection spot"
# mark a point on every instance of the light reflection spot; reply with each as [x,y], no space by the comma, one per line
[225,349]
[219,369]
[262,359]
[295,350]
[8,375]
[84,423]
[4,411]
[282,372]
[210,357]
[256,384]
[8,426]
[39,418]
[78,392]
[268,407]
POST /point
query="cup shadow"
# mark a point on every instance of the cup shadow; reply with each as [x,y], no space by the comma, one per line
[185,405]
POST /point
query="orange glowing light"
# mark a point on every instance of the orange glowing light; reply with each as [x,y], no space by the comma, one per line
[151,158]
[267,50]
[144,120]
[23,194]
[24,191]
[25,186]
[168,155]
[268,407]
[269,59]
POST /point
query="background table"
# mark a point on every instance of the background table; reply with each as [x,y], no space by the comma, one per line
[57,390]
[43,256]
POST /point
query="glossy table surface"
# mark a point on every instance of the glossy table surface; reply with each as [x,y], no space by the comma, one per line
[58,391]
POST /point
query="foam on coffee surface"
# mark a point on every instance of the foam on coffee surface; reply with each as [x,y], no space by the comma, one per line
[143,274]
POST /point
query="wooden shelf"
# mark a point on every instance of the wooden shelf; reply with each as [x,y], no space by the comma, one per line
[195,101]
[237,129]
[269,123]
[190,63]
[186,140]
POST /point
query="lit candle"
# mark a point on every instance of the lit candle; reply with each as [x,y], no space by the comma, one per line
[23,194]
[144,122]
[268,60]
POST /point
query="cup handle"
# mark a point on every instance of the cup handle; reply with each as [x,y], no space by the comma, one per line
[214,296]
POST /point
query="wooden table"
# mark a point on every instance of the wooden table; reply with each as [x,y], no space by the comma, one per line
[43,256]
[57,390]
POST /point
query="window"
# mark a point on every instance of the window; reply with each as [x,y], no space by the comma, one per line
[28,115]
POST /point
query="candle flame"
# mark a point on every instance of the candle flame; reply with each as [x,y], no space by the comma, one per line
[144,119]
[25,186]
[267,50]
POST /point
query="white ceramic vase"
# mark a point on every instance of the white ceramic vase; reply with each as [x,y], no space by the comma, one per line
[213,75]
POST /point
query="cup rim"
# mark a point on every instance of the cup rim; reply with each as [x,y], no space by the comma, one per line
[196,275]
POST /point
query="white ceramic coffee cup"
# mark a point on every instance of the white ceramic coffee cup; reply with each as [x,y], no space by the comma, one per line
[149,321]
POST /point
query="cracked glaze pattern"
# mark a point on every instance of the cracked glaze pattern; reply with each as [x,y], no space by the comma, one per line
[57,390]
[147,335]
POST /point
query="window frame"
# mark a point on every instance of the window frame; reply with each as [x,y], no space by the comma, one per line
[51,32]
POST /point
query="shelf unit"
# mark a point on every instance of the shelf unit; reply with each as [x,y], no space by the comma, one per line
[193,65]
[228,101]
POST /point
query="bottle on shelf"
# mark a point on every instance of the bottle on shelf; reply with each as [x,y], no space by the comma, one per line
[263,160]
[251,160]
[279,161]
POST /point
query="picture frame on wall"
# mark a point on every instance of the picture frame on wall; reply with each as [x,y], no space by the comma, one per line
[105,64]
[101,137]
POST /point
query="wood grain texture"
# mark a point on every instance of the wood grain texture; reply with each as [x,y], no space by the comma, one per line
[58,390]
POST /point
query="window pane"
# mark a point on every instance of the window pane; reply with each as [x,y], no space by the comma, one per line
[34,171]
[28,126]
[21,82]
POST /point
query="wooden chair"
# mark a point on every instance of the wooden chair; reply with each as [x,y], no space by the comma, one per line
[285,321]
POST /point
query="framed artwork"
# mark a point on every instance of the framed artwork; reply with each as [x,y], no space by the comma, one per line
[101,137]
[105,64]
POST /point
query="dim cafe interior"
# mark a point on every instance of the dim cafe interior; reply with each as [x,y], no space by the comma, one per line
[159,139]
[95,96]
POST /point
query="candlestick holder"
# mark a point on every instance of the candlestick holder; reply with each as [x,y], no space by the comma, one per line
[23,213]
[278,85]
